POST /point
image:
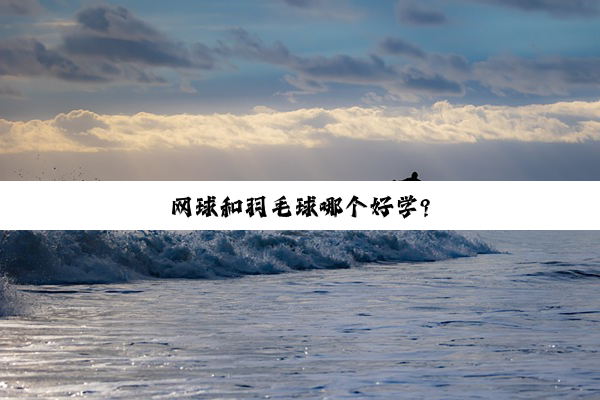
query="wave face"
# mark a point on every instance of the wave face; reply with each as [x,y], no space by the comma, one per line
[567,270]
[77,257]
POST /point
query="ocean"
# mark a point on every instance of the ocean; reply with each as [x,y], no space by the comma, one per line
[300,314]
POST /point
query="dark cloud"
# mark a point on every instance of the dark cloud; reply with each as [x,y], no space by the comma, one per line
[412,13]
[545,76]
[448,64]
[402,48]
[19,7]
[28,57]
[115,21]
[314,72]
[114,34]
[434,85]
[343,10]
[299,3]
[540,76]
[109,44]
[557,8]
[316,68]
[416,13]
[8,91]
[129,51]
[344,68]
[243,44]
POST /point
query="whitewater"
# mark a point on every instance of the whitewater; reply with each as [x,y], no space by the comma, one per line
[308,314]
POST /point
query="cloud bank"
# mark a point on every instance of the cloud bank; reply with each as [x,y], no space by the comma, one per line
[85,131]
[110,45]
[420,74]
[542,76]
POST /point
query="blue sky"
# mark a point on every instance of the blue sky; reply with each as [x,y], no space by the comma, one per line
[117,78]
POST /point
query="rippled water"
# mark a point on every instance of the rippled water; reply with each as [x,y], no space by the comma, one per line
[520,324]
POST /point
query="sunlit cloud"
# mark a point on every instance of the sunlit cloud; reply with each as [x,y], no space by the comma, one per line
[85,131]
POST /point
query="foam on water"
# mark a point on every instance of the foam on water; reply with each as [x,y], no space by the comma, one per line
[74,257]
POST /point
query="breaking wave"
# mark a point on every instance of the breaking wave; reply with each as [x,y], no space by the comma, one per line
[77,257]
[10,300]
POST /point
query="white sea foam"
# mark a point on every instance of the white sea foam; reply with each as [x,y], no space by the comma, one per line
[10,300]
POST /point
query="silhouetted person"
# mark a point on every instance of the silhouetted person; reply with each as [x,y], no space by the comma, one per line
[413,177]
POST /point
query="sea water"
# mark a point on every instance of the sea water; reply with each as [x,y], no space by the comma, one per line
[300,314]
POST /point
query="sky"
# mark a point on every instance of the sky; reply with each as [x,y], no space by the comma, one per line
[299,89]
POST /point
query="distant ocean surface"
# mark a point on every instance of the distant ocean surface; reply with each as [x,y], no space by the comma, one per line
[303,314]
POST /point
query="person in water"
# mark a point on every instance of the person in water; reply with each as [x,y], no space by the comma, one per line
[413,177]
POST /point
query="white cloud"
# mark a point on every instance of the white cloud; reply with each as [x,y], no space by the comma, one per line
[264,110]
[85,131]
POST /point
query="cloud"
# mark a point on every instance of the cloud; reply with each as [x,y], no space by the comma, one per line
[556,8]
[115,21]
[299,3]
[400,47]
[264,110]
[425,74]
[28,57]
[544,76]
[108,44]
[243,44]
[329,9]
[77,125]
[23,57]
[315,72]
[8,91]
[412,13]
[19,7]
[85,131]
[114,34]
